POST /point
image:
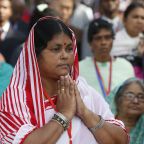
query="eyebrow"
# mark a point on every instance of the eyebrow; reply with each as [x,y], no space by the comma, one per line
[70,44]
[134,93]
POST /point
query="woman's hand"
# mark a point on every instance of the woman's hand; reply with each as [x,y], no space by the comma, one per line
[66,101]
[80,106]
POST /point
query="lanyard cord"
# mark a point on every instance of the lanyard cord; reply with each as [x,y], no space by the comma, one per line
[69,130]
[101,81]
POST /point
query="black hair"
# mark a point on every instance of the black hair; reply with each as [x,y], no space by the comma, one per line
[45,30]
[124,86]
[131,7]
[96,25]
[37,14]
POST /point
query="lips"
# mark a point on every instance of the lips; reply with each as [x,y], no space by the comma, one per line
[65,66]
[134,107]
[103,50]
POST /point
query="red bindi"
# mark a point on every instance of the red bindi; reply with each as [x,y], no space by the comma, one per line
[65,43]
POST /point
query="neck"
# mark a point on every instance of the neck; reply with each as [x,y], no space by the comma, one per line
[111,15]
[2,24]
[50,86]
[132,34]
[102,58]
[129,121]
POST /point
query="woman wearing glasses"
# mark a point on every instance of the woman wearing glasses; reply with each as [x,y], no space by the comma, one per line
[127,102]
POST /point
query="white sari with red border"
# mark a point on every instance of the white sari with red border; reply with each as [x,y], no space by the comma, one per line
[23,108]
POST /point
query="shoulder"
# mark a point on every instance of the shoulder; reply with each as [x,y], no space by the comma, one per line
[86,60]
[83,8]
[5,67]
[93,100]
[122,63]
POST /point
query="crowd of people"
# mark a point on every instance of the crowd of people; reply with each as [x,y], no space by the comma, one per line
[72,71]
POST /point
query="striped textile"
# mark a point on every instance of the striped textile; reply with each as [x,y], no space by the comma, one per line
[22,103]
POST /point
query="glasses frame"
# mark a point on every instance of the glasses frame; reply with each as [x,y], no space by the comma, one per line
[131,96]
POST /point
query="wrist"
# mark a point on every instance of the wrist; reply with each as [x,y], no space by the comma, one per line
[89,118]
[61,119]
[68,115]
[97,125]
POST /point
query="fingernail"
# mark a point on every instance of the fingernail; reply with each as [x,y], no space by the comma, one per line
[67,76]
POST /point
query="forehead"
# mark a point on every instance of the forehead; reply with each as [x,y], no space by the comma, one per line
[61,38]
[103,31]
[134,86]
[137,11]
[65,3]
[106,1]
[5,2]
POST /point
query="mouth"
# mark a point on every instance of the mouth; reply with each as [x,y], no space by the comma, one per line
[104,50]
[136,108]
[64,66]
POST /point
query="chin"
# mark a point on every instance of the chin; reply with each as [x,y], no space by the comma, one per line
[63,74]
[135,112]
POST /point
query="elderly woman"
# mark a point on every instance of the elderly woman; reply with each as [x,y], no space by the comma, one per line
[127,102]
[47,102]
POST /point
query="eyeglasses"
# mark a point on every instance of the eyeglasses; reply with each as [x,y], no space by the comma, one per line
[131,96]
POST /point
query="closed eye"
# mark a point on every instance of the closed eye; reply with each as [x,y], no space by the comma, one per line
[69,48]
[56,49]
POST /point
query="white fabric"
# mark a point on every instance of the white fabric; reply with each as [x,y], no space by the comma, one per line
[23,131]
[121,70]
[124,44]
[80,133]
[81,19]
[116,22]
[82,16]
[5,29]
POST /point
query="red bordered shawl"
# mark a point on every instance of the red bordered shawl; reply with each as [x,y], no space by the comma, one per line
[22,102]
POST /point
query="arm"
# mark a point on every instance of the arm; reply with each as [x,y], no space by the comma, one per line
[108,133]
[66,105]
[48,134]
[24,130]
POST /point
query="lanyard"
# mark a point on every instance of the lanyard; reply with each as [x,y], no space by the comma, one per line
[105,91]
[69,130]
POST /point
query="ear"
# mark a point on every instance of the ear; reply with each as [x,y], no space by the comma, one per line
[90,46]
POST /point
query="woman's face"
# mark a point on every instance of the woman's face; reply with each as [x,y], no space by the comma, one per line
[57,58]
[109,6]
[101,43]
[132,101]
[134,22]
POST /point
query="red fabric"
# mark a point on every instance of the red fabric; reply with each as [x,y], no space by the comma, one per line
[139,72]
[22,102]
[26,16]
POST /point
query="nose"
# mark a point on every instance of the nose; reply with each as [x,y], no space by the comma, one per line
[135,100]
[103,41]
[63,54]
[140,21]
